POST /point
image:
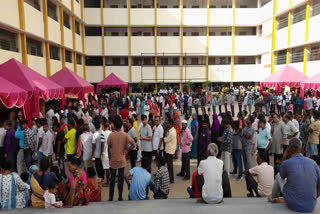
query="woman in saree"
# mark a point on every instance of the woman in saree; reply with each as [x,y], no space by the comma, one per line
[40,182]
[77,190]
[215,128]
[177,126]
[194,132]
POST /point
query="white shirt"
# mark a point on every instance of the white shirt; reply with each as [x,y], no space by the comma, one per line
[279,100]
[131,113]
[86,140]
[265,174]
[161,99]
[157,135]
[49,116]
[190,101]
[47,144]
[289,129]
[97,141]
[318,104]
[40,134]
[3,133]
[105,138]
[296,124]
[146,109]
[57,116]
[104,113]
[212,169]
[49,199]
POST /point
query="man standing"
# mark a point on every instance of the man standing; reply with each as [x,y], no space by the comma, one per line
[204,140]
[226,144]
[157,139]
[203,102]
[302,187]
[232,100]
[210,185]
[313,140]
[97,149]
[190,105]
[59,147]
[70,139]
[86,141]
[145,135]
[132,134]
[104,112]
[214,104]
[185,149]
[171,144]
[49,115]
[290,130]
[225,101]
[11,145]
[117,150]
[265,174]
[185,103]
[219,102]
[46,147]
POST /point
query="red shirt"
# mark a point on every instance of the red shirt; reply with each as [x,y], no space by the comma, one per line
[124,113]
[194,184]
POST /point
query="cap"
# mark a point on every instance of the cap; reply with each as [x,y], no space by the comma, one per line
[184,121]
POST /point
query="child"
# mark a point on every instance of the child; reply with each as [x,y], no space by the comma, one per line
[193,189]
[278,163]
[94,184]
[23,196]
[50,196]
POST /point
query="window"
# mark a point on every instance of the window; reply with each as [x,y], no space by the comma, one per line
[54,52]
[147,34]
[163,34]
[136,61]
[34,47]
[175,33]
[77,27]
[168,4]
[315,7]
[79,59]
[34,3]
[195,34]
[93,31]
[315,52]
[212,33]
[282,21]
[142,3]
[145,31]
[148,61]
[175,61]
[299,14]
[245,60]
[52,10]
[212,60]
[115,3]
[8,41]
[281,57]
[194,61]
[297,54]
[68,56]
[115,61]
[264,2]
[114,33]
[224,60]
[94,60]
[66,20]
[92,3]
[163,60]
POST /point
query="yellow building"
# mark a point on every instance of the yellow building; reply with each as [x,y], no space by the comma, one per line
[162,40]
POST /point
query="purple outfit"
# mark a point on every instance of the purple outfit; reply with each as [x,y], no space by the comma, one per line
[11,144]
[215,124]
[204,141]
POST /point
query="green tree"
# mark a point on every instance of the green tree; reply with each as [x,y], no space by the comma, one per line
[189,85]
[142,85]
[206,84]
[162,85]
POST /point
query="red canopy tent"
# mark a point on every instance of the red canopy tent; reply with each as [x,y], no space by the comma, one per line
[311,83]
[12,95]
[74,85]
[34,83]
[112,81]
[285,77]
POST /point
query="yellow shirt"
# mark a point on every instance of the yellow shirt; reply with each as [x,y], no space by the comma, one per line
[171,141]
[135,126]
[71,143]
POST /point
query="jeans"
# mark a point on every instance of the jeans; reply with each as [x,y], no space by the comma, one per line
[196,107]
[133,155]
[190,191]
[214,110]
[273,108]
[99,167]
[28,158]
[247,156]
[185,167]
[252,185]
[113,181]
[267,109]
[203,109]
[237,161]
[279,109]
[185,109]
[225,157]
[250,109]
[220,111]
[147,155]
[226,107]
[169,159]
[245,108]
[190,110]
[240,108]
[311,149]
[232,110]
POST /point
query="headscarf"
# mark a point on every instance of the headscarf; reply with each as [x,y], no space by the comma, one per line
[215,123]
[30,172]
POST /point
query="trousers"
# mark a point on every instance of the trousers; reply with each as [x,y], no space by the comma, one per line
[225,157]
[113,173]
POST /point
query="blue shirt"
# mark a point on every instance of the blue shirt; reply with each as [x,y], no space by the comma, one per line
[20,136]
[214,101]
[303,176]
[66,112]
[141,178]
[263,138]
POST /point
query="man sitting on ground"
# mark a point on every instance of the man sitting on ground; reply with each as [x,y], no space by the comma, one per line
[141,179]
[265,174]
[210,185]
[302,186]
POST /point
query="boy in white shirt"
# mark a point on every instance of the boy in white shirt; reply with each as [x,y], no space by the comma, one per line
[46,147]
[50,197]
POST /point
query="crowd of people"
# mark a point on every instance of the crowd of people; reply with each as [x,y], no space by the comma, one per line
[71,152]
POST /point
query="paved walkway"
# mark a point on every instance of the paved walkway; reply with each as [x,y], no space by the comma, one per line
[176,206]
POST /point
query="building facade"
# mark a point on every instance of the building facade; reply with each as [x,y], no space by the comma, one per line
[171,41]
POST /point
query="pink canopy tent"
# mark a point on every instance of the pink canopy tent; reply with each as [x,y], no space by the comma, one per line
[34,83]
[285,77]
[112,81]
[74,85]
[311,83]
[12,95]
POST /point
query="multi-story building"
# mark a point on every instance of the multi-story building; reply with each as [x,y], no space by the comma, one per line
[171,41]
